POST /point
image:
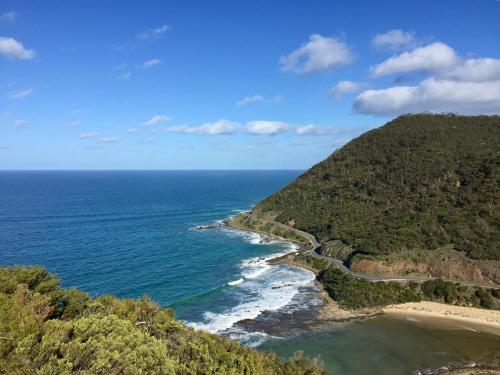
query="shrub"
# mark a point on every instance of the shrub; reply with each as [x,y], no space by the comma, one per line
[46,329]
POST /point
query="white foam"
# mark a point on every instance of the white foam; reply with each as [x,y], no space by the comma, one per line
[254,267]
[269,291]
[240,211]
[255,238]
[263,287]
[251,339]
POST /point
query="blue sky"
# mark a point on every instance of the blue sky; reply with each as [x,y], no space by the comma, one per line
[231,84]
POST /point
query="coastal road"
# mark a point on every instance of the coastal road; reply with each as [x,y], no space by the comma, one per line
[316,246]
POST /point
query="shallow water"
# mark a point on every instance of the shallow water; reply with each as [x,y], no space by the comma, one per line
[390,346]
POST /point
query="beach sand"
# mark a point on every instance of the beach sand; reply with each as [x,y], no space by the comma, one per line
[487,320]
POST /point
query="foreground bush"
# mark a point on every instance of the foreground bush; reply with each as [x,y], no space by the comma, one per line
[45,329]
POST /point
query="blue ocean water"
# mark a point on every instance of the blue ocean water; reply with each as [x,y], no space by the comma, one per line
[129,234]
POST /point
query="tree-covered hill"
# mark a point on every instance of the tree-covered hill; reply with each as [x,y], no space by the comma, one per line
[45,329]
[421,182]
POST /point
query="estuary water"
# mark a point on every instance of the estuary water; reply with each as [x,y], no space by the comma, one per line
[133,233]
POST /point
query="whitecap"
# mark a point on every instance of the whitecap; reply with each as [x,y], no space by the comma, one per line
[251,339]
[270,291]
[235,282]
[255,238]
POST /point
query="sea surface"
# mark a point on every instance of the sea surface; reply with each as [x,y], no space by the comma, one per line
[134,233]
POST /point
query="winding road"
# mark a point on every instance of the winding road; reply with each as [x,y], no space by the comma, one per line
[314,251]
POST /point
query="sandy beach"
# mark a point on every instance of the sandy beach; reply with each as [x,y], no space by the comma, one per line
[486,319]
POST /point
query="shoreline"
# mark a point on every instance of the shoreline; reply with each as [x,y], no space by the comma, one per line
[481,319]
[329,311]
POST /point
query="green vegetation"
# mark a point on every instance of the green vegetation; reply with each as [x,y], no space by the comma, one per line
[316,264]
[245,222]
[45,329]
[353,293]
[419,182]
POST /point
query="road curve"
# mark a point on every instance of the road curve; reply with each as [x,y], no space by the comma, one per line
[314,252]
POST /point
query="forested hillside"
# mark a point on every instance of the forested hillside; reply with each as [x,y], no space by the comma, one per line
[420,182]
[45,329]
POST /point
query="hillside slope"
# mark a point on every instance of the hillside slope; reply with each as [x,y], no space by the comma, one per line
[419,183]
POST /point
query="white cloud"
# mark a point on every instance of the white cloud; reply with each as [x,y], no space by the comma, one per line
[434,95]
[88,135]
[475,70]
[109,139]
[261,127]
[155,120]
[345,87]
[133,130]
[21,94]
[150,34]
[155,33]
[77,111]
[320,53]
[150,63]
[249,100]
[466,86]
[267,127]
[312,129]
[433,57]
[394,39]
[8,17]
[219,127]
[12,49]
[20,124]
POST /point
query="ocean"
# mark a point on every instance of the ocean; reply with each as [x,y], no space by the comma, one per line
[134,233]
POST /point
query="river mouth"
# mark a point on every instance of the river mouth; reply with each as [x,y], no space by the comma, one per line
[389,345]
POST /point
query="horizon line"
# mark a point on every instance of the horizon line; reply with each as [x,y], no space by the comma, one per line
[150,170]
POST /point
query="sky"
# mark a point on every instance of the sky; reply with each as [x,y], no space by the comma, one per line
[230,84]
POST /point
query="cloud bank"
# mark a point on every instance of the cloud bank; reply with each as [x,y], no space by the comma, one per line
[220,127]
[451,84]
